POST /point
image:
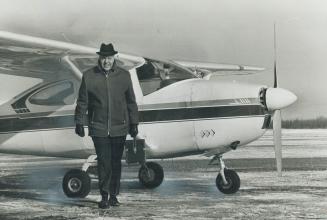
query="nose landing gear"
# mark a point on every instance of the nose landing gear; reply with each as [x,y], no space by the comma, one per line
[227,181]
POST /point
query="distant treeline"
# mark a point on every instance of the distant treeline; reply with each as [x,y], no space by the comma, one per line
[320,122]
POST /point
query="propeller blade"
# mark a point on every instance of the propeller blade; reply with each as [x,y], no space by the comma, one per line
[277,122]
[275,58]
[275,75]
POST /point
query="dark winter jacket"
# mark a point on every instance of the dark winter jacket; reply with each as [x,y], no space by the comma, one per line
[106,102]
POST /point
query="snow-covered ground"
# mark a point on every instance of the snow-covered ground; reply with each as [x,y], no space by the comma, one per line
[30,187]
[183,195]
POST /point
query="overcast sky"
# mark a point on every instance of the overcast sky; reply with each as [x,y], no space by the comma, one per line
[223,31]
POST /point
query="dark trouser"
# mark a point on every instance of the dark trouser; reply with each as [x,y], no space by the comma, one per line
[109,152]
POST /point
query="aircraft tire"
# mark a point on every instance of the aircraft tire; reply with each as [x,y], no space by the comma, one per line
[76,184]
[233,182]
[152,179]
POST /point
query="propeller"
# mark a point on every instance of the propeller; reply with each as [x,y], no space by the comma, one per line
[276,99]
[277,119]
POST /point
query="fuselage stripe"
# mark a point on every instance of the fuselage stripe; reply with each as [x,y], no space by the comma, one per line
[200,112]
[145,116]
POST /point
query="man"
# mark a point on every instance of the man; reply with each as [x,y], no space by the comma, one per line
[106,100]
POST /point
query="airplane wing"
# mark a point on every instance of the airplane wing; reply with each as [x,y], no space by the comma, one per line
[21,60]
[26,50]
[204,68]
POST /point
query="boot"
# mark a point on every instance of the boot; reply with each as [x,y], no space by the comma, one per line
[104,203]
[113,201]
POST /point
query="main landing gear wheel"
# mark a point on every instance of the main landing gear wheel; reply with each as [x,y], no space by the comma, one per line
[76,184]
[151,175]
[233,182]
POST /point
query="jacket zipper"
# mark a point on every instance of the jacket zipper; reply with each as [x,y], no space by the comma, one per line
[108,108]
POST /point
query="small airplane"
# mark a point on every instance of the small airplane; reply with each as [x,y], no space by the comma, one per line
[185,108]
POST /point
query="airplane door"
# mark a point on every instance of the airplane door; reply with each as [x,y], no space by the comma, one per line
[166,121]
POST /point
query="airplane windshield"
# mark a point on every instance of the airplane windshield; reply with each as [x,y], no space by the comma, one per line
[155,75]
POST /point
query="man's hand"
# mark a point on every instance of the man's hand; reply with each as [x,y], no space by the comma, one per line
[133,130]
[79,130]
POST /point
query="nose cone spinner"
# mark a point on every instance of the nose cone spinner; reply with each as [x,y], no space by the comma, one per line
[278,98]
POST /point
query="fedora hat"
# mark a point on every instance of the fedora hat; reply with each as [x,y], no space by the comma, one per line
[107,50]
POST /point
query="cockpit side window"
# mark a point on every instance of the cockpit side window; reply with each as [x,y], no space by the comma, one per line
[59,94]
[155,75]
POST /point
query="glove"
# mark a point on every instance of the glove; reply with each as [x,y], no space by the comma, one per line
[133,130]
[79,130]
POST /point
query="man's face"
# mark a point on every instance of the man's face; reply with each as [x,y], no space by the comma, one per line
[106,62]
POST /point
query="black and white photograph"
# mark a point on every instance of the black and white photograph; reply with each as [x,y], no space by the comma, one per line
[163,109]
